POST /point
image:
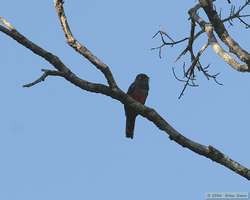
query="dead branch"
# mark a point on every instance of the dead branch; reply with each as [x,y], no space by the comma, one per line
[224,36]
[113,91]
[215,25]
[46,73]
[80,48]
[164,43]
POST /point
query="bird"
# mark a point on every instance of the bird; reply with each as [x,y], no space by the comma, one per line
[138,90]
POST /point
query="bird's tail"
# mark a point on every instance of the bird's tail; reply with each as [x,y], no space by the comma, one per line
[130,125]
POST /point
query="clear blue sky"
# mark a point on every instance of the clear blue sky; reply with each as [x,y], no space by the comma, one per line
[58,142]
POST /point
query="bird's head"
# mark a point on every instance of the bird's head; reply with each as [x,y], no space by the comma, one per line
[142,78]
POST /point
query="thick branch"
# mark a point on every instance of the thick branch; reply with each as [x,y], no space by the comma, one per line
[214,43]
[208,28]
[118,94]
[52,59]
[80,48]
[221,31]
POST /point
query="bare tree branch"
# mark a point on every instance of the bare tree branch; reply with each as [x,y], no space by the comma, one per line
[164,43]
[214,43]
[115,92]
[80,48]
[236,14]
[190,74]
[215,25]
[46,73]
[223,34]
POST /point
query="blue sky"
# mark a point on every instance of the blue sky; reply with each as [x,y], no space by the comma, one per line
[58,142]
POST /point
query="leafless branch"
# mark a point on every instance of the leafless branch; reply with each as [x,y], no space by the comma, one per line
[237,14]
[215,25]
[80,48]
[218,26]
[113,91]
[189,74]
[164,43]
[46,73]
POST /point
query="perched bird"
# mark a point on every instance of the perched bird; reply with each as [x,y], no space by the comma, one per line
[138,90]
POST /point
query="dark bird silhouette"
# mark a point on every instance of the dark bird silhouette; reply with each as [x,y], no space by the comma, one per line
[138,90]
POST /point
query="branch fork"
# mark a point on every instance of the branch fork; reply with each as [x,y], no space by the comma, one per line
[213,28]
[113,91]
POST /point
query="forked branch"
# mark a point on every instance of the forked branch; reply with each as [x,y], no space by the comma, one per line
[80,48]
[46,73]
[113,91]
[215,25]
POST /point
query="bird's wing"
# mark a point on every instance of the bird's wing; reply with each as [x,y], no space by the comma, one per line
[137,93]
[131,89]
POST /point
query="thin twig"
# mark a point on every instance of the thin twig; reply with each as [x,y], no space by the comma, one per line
[46,73]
